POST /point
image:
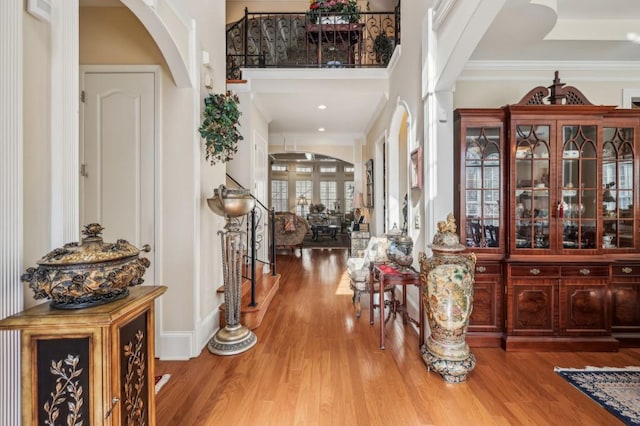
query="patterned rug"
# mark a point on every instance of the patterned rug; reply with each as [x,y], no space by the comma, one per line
[616,389]
[325,241]
[161,381]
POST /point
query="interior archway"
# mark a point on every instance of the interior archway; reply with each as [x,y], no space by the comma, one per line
[397,157]
[304,179]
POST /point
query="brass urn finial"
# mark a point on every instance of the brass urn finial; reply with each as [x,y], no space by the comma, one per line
[92,230]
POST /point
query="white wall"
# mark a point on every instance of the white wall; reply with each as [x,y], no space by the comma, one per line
[405,89]
[498,88]
[190,258]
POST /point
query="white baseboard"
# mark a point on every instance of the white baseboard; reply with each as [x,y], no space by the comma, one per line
[183,345]
[208,327]
[175,346]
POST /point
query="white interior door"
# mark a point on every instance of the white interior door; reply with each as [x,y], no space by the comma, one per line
[117,156]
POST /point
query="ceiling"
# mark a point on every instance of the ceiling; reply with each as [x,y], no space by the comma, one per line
[524,30]
[582,30]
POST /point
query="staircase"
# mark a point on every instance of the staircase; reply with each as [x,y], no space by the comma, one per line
[267,286]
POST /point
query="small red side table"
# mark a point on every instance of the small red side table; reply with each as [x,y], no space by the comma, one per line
[388,275]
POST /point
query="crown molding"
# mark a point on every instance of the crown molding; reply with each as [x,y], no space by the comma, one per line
[526,70]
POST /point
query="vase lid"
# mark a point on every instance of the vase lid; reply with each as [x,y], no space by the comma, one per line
[404,239]
[92,249]
[394,232]
[447,239]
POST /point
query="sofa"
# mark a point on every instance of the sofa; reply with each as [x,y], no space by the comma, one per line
[290,230]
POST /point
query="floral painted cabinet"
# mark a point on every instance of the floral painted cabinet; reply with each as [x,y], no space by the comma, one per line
[90,366]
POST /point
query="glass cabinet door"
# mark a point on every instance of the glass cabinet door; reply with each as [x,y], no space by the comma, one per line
[617,188]
[577,209]
[482,186]
[531,189]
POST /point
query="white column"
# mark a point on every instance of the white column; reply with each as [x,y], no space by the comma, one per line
[11,298]
[444,155]
[437,98]
[65,95]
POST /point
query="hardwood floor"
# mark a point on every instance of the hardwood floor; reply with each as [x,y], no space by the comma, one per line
[317,364]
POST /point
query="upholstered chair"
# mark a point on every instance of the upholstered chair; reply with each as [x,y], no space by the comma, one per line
[290,230]
[358,270]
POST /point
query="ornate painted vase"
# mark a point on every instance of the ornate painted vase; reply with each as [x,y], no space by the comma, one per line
[447,280]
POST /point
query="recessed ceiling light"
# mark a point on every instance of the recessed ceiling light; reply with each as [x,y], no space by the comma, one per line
[321,129]
[322,107]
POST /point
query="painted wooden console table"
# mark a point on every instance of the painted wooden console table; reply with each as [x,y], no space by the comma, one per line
[93,365]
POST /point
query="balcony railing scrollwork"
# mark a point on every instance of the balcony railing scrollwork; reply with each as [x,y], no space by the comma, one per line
[300,40]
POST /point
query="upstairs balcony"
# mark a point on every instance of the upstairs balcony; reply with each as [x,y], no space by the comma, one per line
[311,40]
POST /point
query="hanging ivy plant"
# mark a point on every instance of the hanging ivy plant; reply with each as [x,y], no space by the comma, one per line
[220,127]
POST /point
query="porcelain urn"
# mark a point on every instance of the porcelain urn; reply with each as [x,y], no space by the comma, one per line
[87,274]
[447,280]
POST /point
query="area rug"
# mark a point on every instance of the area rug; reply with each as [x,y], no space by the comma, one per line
[616,389]
[326,242]
[161,381]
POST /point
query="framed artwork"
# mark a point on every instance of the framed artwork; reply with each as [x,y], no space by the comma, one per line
[369,182]
[416,168]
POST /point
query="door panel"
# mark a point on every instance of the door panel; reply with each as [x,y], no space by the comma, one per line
[117,187]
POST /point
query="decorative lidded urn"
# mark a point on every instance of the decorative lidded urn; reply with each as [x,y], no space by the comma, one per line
[87,274]
[392,237]
[403,256]
[447,294]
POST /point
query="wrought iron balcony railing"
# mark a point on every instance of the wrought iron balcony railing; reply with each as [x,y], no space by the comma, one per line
[305,40]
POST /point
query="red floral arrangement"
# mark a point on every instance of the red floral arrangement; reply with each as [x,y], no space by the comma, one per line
[349,9]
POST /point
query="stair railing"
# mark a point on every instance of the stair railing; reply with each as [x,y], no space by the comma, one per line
[254,239]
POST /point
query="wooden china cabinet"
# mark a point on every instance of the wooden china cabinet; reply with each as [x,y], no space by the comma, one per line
[546,196]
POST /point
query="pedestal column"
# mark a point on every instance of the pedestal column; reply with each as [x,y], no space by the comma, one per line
[233,204]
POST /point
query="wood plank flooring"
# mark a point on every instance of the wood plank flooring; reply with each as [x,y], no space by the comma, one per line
[315,363]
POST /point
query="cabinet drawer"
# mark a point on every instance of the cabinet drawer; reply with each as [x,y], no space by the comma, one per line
[533,271]
[585,271]
[492,268]
[630,270]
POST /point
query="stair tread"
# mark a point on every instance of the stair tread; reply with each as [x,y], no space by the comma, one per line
[252,316]
[246,284]
[264,286]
